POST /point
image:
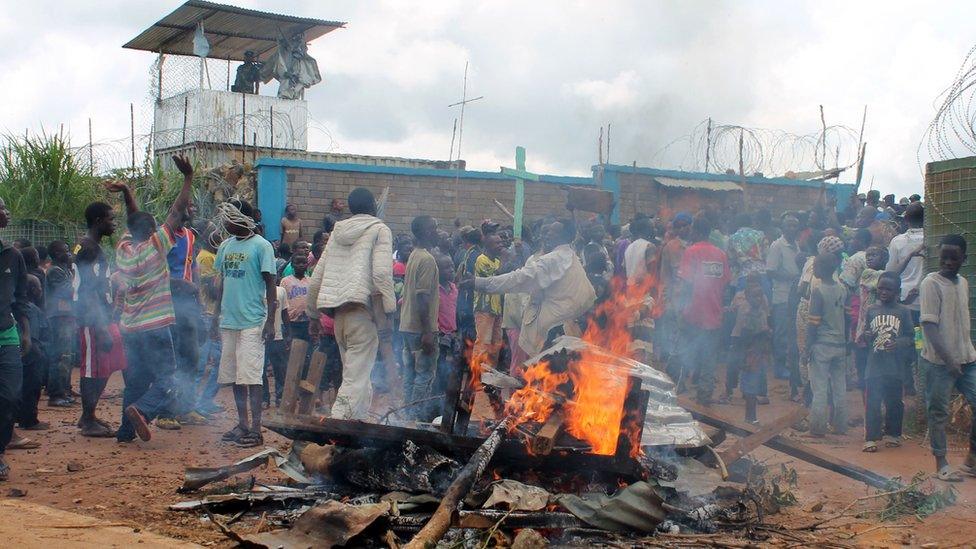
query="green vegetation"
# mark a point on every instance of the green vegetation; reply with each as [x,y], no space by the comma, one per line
[41,179]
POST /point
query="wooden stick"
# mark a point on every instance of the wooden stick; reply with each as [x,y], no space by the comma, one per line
[790,447]
[309,387]
[747,444]
[296,359]
[441,520]
[543,441]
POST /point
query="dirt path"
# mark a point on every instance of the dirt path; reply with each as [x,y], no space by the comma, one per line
[41,526]
[132,484]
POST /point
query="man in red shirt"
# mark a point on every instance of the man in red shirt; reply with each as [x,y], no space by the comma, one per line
[704,276]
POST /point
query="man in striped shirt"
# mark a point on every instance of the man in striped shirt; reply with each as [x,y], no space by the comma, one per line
[147,310]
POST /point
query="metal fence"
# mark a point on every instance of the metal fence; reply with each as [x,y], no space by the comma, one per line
[41,233]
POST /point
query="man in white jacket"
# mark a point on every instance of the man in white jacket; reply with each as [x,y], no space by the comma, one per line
[356,268]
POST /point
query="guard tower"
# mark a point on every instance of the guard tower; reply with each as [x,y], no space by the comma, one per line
[204,52]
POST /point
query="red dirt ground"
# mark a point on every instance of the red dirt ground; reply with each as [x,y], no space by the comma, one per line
[134,483]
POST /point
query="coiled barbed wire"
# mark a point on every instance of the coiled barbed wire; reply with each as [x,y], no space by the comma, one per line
[767,151]
[952,131]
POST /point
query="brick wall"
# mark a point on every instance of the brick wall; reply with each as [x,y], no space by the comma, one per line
[312,190]
[640,193]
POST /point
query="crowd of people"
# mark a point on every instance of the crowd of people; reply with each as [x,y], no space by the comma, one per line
[829,299]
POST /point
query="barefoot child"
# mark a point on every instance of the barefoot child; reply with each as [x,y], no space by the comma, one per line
[889,333]
[751,342]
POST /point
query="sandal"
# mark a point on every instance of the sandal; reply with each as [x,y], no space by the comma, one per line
[947,474]
[870,447]
[234,434]
[892,442]
[23,443]
[139,423]
[250,440]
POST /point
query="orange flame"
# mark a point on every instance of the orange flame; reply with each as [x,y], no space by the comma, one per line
[592,392]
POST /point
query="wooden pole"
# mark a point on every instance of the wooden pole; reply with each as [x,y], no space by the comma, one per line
[608,142]
[860,167]
[708,143]
[599,147]
[243,127]
[823,139]
[228,74]
[132,134]
[742,171]
[787,446]
[271,117]
[254,147]
[186,105]
[441,520]
[159,79]
[91,154]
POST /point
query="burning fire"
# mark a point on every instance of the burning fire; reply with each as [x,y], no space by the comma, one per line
[589,394]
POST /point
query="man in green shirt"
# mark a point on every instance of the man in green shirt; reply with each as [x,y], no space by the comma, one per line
[14,342]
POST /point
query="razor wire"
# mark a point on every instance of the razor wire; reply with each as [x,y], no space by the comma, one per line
[764,151]
[952,131]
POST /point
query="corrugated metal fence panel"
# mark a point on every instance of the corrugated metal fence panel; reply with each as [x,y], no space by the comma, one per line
[950,208]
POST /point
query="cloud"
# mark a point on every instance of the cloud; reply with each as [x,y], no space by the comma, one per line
[604,95]
[552,73]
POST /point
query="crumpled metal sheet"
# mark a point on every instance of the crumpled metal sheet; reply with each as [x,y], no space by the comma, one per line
[195,478]
[515,496]
[330,524]
[636,508]
[666,423]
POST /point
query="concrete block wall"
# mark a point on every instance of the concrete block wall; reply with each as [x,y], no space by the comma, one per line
[313,190]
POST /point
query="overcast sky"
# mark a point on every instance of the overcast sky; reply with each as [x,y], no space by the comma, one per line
[552,72]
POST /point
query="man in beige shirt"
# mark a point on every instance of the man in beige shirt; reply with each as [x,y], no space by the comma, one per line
[418,320]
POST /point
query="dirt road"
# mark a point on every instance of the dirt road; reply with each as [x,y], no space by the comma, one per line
[132,484]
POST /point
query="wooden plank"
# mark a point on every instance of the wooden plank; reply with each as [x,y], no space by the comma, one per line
[358,434]
[296,359]
[545,438]
[747,444]
[309,387]
[789,447]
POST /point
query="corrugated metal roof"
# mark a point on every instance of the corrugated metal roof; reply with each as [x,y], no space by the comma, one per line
[230,30]
[708,185]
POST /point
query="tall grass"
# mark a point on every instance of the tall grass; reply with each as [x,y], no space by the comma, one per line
[156,190]
[40,179]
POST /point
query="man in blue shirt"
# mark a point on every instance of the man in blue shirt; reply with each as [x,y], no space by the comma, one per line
[246,308]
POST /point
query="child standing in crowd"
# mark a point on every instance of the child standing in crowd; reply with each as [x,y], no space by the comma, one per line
[488,307]
[826,347]
[35,361]
[276,351]
[64,329]
[246,316]
[751,350]
[890,333]
[209,294]
[449,346]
